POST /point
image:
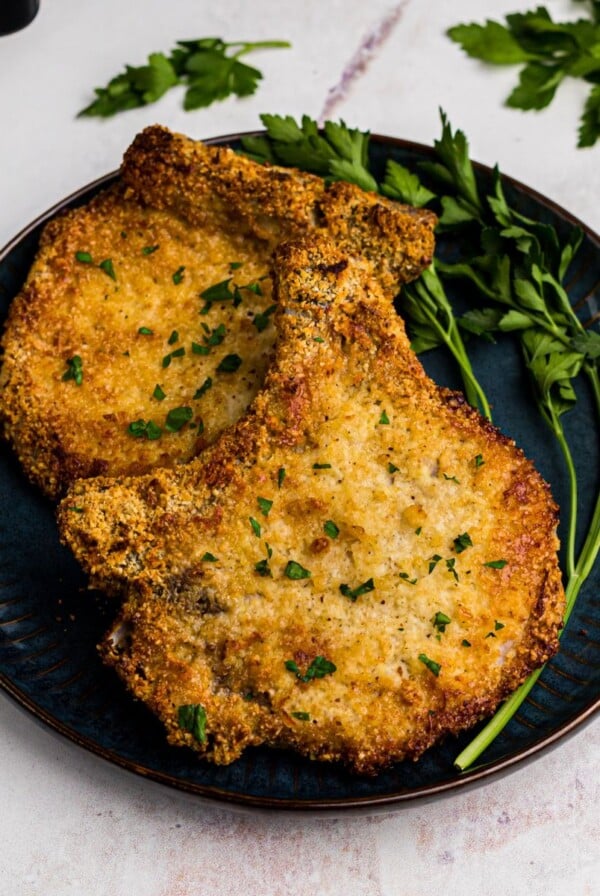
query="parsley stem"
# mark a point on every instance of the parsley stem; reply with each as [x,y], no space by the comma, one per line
[259,45]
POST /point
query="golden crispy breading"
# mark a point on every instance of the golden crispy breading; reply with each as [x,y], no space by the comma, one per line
[113,302]
[361,565]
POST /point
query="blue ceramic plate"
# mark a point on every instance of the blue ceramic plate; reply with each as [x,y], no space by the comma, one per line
[49,627]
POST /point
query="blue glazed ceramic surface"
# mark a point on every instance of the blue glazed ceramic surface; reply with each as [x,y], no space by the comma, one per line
[49,624]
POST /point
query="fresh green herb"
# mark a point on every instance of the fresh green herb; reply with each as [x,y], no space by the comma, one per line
[261,321]
[462,542]
[301,716]
[294,570]
[144,429]
[440,621]
[392,468]
[263,568]
[321,466]
[336,152]
[149,250]
[490,635]
[256,527]
[209,558]
[192,717]
[451,567]
[76,509]
[548,52]
[498,625]
[479,461]
[465,643]
[206,385]
[264,505]
[145,331]
[496,564]
[405,576]
[318,339]
[177,418]
[418,530]
[235,265]
[178,353]
[451,479]
[158,393]
[330,529]
[319,668]
[178,276]
[108,268]
[84,257]
[216,336]
[229,364]
[74,370]
[198,349]
[353,593]
[280,476]
[431,664]
[173,338]
[433,562]
[384,419]
[209,68]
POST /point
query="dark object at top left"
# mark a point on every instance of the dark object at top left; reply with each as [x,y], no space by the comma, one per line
[17,14]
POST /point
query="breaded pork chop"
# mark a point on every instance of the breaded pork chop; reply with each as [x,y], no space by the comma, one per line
[114,360]
[359,566]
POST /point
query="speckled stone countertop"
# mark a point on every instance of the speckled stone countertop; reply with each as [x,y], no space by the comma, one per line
[72,824]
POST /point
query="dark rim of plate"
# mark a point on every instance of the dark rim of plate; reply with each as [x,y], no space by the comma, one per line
[463,780]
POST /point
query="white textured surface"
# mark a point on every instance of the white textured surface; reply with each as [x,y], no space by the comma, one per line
[70,823]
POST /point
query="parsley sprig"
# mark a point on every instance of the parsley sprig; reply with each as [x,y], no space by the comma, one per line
[209,68]
[548,52]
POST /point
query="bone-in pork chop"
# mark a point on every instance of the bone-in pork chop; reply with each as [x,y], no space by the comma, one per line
[361,565]
[145,326]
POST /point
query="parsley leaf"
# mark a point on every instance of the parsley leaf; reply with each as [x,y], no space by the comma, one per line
[74,370]
[177,418]
[548,52]
[353,593]
[318,668]
[203,66]
[229,364]
[192,717]
[144,429]
[433,667]
[462,542]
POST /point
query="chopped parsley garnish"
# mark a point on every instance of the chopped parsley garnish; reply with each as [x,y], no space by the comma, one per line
[318,339]
[330,529]
[229,364]
[84,257]
[317,669]
[264,505]
[452,479]
[418,530]
[148,250]
[178,275]
[451,567]
[256,527]
[198,349]
[209,558]
[192,718]
[74,370]
[235,265]
[433,562]
[440,621]
[280,476]
[431,664]
[216,336]
[321,466]
[76,509]
[144,429]
[294,570]
[490,635]
[496,564]
[384,419]
[173,338]
[178,353]
[498,625]
[392,468]
[465,643]
[108,268]
[263,568]
[406,578]
[479,461]
[218,292]
[177,418]
[301,716]
[145,331]
[261,321]
[353,593]
[158,393]
[206,385]
[462,542]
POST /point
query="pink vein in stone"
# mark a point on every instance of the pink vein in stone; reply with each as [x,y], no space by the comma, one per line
[360,60]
